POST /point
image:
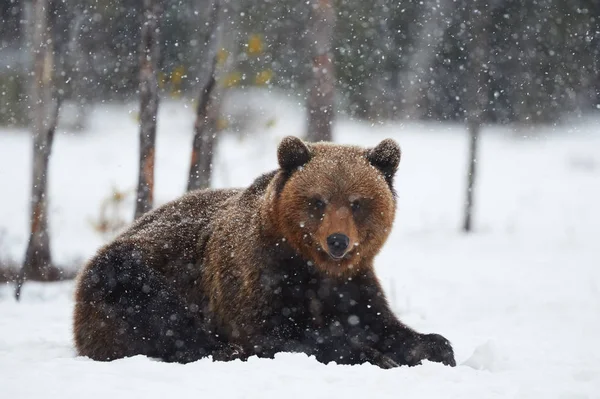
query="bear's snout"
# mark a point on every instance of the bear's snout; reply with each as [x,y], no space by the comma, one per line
[337,245]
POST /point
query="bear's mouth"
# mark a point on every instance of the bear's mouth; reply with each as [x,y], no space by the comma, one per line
[328,256]
[339,257]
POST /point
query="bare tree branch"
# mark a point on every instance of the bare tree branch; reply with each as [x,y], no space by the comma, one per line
[435,22]
[45,106]
[208,106]
[477,94]
[149,55]
[79,63]
[322,86]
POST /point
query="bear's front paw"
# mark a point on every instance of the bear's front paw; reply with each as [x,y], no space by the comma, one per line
[431,347]
[229,352]
[377,358]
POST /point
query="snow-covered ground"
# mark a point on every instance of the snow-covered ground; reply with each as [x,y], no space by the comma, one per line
[519,298]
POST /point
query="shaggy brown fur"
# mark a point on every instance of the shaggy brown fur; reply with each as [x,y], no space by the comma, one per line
[284,265]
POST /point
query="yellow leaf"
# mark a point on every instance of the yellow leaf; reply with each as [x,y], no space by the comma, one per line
[271,122]
[263,77]
[222,123]
[177,75]
[232,80]
[222,56]
[255,45]
[162,78]
[118,195]
[175,93]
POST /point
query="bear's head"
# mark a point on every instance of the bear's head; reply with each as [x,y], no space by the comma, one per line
[335,204]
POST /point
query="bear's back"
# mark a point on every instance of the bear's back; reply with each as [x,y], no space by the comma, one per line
[171,237]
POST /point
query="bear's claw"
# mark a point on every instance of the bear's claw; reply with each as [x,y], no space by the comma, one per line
[438,349]
[228,353]
[377,358]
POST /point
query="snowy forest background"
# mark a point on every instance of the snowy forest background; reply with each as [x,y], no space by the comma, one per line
[499,63]
[109,108]
[392,59]
[477,63]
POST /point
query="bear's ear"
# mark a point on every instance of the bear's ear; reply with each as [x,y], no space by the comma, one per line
[292,153]
[385,157]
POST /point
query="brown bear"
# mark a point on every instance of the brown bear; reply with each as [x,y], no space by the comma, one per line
[285,265]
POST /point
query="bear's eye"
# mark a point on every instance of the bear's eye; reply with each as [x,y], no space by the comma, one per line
[355,205]
[319,204]
[316,206]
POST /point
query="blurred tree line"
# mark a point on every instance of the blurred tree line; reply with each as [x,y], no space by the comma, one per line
[392,58]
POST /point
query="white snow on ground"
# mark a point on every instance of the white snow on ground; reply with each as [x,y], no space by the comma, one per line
[519,298]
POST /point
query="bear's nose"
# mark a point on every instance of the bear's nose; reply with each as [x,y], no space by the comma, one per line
[337,244]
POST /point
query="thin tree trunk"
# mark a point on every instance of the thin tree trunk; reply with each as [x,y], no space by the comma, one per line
[474,129]
[378,87]
[149,54]
[79,63]
[207,111]
[321,91]
[477,98]
[204,138]
[37,264]
[427,42]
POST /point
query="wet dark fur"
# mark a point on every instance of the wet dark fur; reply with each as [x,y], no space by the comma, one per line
[207,275]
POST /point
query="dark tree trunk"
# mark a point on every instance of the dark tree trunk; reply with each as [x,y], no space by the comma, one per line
[321,91]
[477,99]
[149,54]
[207,112]
[80,66]
[37,264]
[426,44]
[204,139]
[473,129]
